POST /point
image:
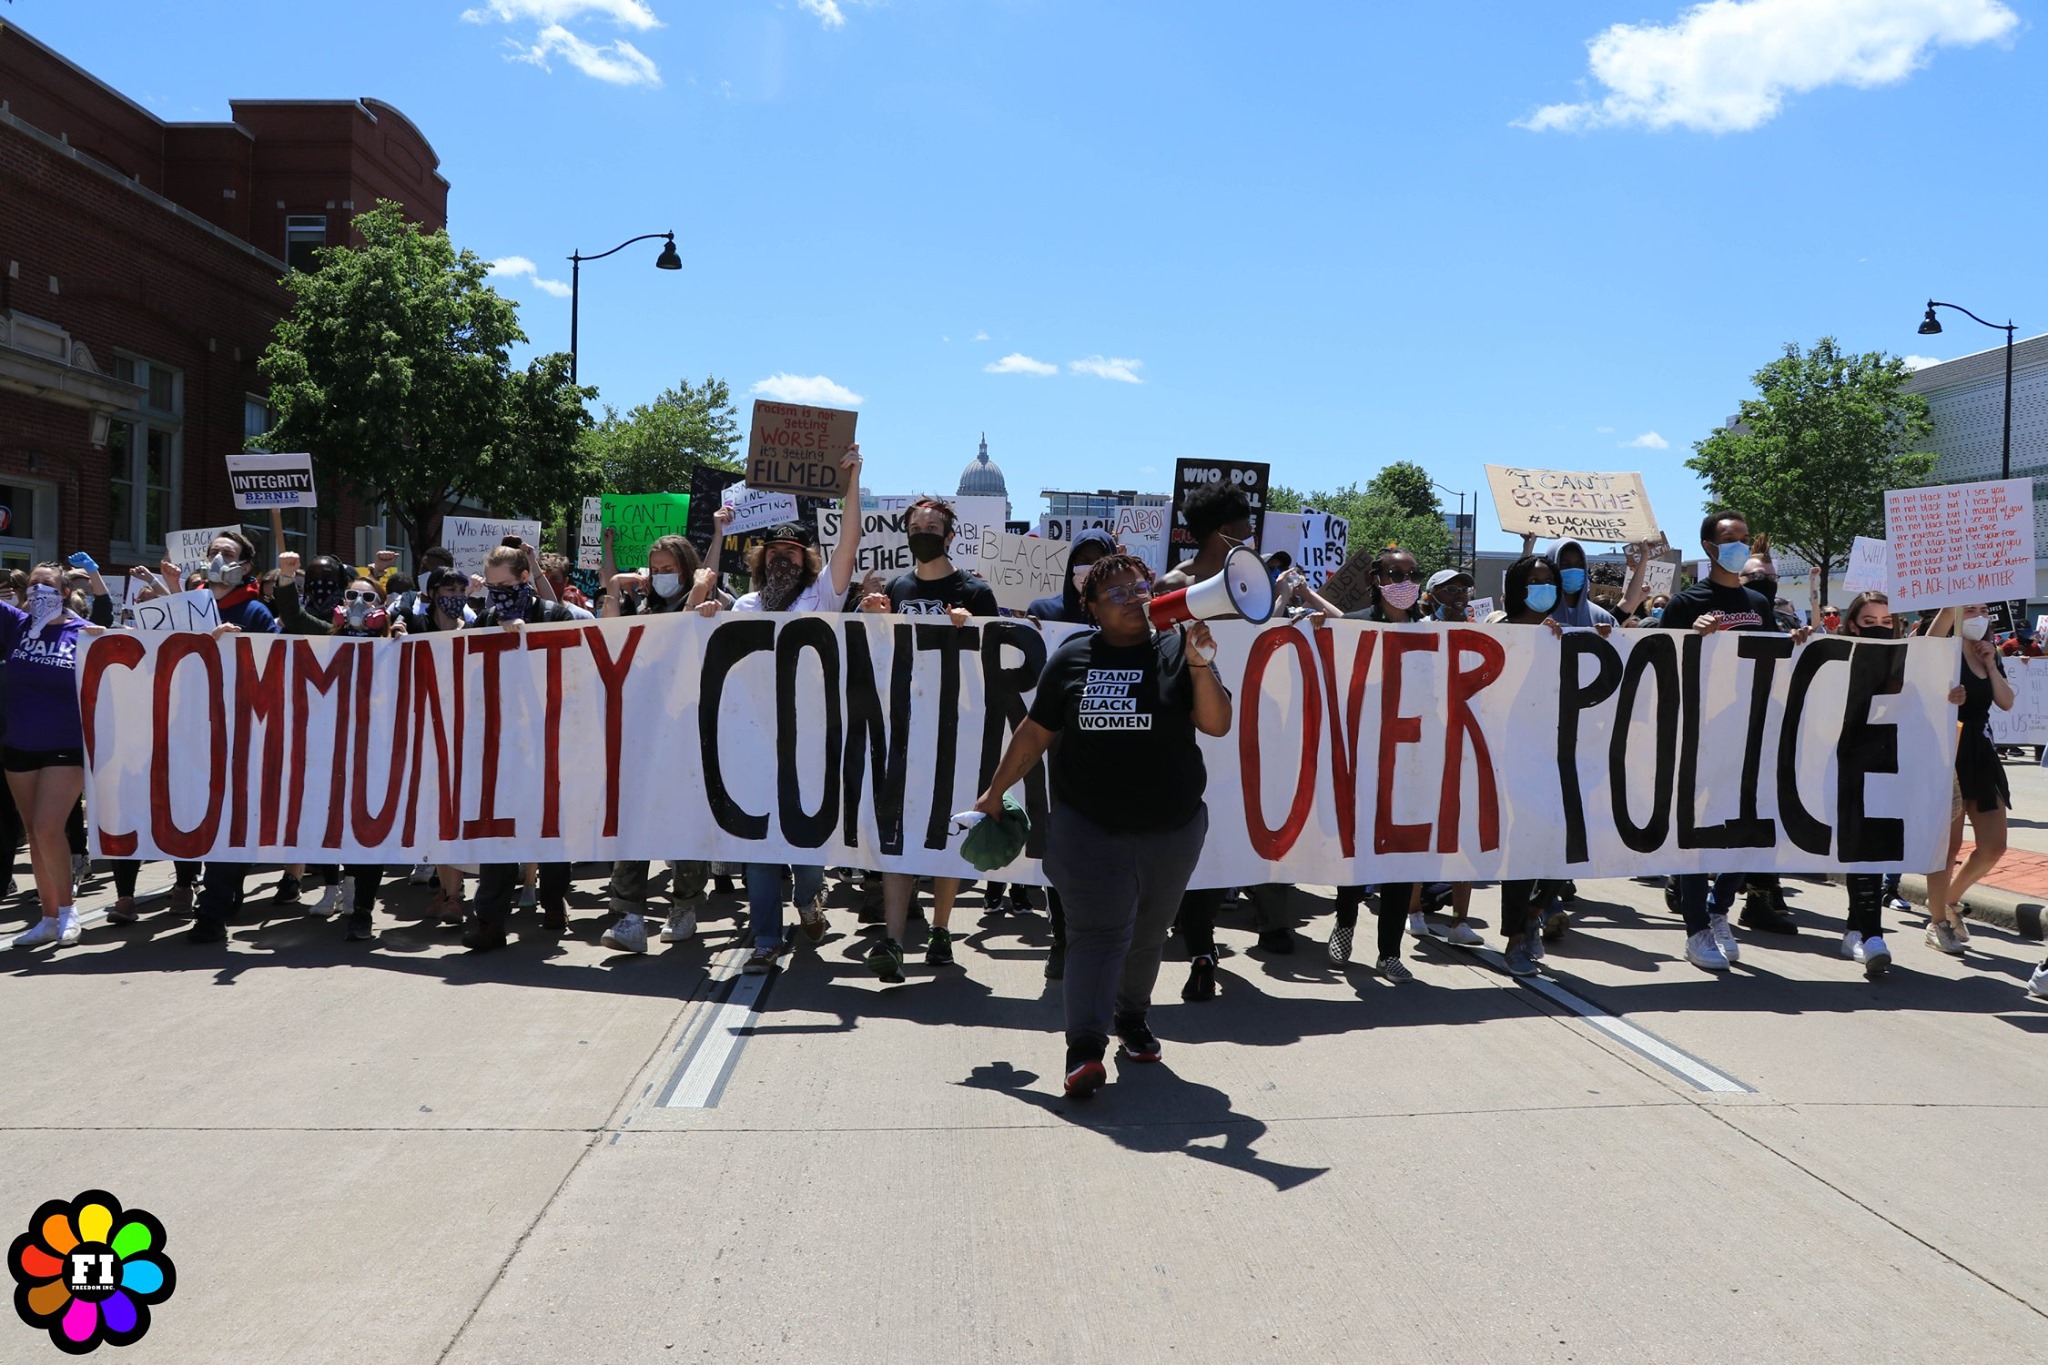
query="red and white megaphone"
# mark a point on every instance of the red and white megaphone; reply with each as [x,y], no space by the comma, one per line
[1241,589]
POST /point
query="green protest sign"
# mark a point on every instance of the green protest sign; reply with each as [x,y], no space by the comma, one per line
[637,520]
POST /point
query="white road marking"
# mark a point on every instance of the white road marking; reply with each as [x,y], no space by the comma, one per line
[711,1042]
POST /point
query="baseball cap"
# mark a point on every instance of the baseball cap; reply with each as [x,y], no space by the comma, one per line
[1443,576]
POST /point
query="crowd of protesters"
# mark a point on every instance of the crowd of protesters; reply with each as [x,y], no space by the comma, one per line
[1127,820]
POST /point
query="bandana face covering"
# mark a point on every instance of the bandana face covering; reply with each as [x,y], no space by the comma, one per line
[323,595]
[450,607]
[508,603]
[785,581]
[44,602]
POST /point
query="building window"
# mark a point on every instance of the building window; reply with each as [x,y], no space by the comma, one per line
[143,451]
[304,234]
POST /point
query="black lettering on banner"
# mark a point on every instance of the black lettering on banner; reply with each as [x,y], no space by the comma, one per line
[1004,709]
[1572,698]
[884,735]
[729,643]
[1749,829]
[1651,649]
[1690,834]
[1801,827]
[800,827]
[1877,668]
[948,640]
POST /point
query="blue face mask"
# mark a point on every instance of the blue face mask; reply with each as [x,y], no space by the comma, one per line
[1542,596]
[1573,580]
[1732,556]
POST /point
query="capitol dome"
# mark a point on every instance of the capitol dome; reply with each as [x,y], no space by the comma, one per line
[984,478]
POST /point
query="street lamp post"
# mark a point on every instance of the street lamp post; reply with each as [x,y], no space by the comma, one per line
[1469,563]
[667,260]
[1931,326]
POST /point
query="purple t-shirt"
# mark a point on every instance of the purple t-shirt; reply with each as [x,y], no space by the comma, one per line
[42,695]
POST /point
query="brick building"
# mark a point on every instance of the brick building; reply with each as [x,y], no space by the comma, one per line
[142,266]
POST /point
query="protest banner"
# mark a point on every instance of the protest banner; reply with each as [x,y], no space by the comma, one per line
[1357,754]
[590,535]
[797,449]
[885,537]
[1560,504]
[2027,722]
[271,482]
[187,549]
[1870,567]
[1247,477]
[1660,577]
[1314,541]
[757,510]
[185,611]
[637,520]
[471,539]
[1959,543]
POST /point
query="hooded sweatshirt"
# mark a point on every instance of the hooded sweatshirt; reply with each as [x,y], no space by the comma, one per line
[1067,606]
[1585,611]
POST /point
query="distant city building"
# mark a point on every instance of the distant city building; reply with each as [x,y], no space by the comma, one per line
[1966,402]
[983,478]
[1101,504]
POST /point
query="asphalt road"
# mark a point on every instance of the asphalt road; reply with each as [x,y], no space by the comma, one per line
[399,1152]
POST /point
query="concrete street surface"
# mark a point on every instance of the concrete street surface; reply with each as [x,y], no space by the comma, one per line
[399,1152]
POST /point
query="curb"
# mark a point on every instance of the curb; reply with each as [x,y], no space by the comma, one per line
[2002,909]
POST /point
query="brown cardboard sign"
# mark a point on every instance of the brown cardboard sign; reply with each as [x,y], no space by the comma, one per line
[1561,504]
[1350,588]
[796,449]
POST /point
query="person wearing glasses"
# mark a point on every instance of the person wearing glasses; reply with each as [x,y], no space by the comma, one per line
[359,615]
[1120,708]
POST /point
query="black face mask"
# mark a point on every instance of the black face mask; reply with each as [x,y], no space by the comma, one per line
[323,595]
[1878,633]
[509,602]
[1767,586]
[926,546]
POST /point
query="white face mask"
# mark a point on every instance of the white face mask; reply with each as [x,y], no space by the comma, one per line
[44,602]
[359,612]
[1975,627]
[217,569]
[666,584]
[1081,577]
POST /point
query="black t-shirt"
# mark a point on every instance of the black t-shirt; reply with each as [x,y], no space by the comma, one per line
[1125,755]
[1740,608]
[914,596]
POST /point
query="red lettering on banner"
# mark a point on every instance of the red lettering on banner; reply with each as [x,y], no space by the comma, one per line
[1460,724]
[426,701]
[170,840]
[1344,729]
[612,673]
[371,830]
[1396,730]
[308,672]
[552,642]
[108,651]
[259,696]
[488,823]
[1272,844]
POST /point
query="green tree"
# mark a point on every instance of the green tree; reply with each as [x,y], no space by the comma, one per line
[656,446]
[1408,486]
[1810,458]
[1378,517]
[393,369]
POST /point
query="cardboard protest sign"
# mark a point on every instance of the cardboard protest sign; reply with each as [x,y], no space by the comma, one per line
[483,747]
[1560,504]
[1870,567]
[796,449]
[1955,544]
[1350,588]
[187,549]
[1247,477]
[471,539]
[707,492]
[2027,722]
[261,482]
[590,535]
[194,611]
[637,520]
[1021,569]
[757,510]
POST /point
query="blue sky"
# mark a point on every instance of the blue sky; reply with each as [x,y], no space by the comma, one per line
[1324,236]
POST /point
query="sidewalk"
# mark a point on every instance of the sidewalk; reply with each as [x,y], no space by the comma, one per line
[2014,895]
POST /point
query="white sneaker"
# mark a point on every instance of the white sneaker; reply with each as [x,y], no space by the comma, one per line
[1724,938]
[423,874]
[67,926]
[628,934]
[1418,925]
[1900,904]
[43,931]
[1852,946]
[1875,957]
[2037,984]
[682,925]
[1955,918]
[1465,936]
[329,902]
[1942,938]
[1702,951]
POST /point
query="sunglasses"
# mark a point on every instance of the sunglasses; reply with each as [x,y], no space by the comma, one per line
[1126,594]
[353,596]
[1398,575]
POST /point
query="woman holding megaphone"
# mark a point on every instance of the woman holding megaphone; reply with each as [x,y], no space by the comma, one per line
[1119,707]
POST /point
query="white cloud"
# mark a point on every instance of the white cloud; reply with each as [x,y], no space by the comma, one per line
[1104,367]
[633,14]
[616,63]
[796,388]
[514,267]
[1921,362]
[981,336]
[1649,440]
[828,12]
[1018,363]
[1603,431]
[1727,65]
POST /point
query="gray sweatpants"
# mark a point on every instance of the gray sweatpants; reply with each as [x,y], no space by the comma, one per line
[1121,892]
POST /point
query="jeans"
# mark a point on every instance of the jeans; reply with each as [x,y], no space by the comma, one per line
[1120,892]
[764,897]
[1697,889]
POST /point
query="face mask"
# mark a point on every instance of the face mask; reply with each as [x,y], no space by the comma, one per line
[1400,596]
[1572,580]
[322,595]
[1542,596]
[450,607]
[1975,627]
[217,570]
[1877,633]
[667,584]
[926,546]
[1732,556]
[358,612]
[1657,615]
[1080,576]
[44,602]
[1767,586]
[509,601]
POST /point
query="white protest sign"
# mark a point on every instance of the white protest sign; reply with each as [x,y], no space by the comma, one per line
[471,539]
[1660,577]
[193,611]
[1565,503]
[590,535]
[2027,722]
[262,482]
[187,549]
[1870,567]
[1144,531]
[885,539]
[756,511]
[1315,541]
[1066,528]
[1961,543]
[1021,569]
[1479,608]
